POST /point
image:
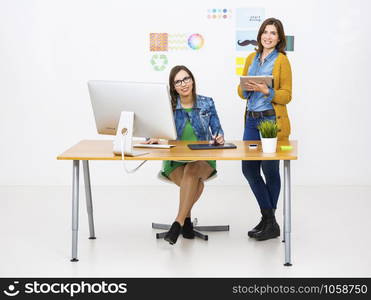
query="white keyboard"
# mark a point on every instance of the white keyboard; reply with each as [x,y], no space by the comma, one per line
[158,146]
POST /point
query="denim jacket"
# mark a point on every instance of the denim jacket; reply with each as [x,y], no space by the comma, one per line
[257,100]
[202,118]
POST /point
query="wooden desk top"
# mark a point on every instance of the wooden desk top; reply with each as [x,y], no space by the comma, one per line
[102,150]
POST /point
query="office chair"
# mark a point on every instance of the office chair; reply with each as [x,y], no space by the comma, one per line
[196,228]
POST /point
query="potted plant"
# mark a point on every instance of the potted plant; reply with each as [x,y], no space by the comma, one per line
[268,131]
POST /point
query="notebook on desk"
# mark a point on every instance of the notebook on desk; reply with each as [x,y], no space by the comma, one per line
[211,146]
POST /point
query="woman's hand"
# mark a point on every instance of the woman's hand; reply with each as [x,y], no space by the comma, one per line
[253,86]
[150,141]
[219,140]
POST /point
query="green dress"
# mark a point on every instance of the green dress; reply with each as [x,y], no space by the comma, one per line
[188,135]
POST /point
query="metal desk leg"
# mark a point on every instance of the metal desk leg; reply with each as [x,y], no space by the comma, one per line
[284,210]
[89,202]
[75,208]
[287,212]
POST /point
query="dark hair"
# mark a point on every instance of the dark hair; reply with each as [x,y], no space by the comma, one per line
[281,35]
[173,93]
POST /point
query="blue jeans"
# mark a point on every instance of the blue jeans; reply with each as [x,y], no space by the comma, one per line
[268,191]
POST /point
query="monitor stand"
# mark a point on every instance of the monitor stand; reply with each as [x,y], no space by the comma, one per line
[124,136]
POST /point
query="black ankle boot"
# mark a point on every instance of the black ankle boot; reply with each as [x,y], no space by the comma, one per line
[173,233]
[270,229]
[257,228]
[187,229]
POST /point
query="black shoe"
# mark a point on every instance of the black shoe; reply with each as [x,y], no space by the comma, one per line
[258,227]
[187,229]
[270,229]
[252,233]
[173,233]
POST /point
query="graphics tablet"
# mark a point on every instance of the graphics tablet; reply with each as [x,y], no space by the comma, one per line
[211,146]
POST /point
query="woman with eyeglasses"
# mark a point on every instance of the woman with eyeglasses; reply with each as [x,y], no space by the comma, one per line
[196,119]
[266,103]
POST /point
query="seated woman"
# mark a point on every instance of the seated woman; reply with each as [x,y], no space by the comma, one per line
[194,116]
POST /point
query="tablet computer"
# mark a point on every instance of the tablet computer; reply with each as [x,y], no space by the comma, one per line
[211,146]
[268,79]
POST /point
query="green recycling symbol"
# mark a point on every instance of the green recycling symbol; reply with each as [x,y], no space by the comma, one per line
[159,62]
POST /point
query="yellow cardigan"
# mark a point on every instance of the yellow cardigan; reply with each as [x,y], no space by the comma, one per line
[282,91]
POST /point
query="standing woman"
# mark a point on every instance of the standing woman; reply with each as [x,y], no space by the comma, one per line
[194,116]
[265,103]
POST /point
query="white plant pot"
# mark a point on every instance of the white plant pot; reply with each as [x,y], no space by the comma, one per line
[269,145]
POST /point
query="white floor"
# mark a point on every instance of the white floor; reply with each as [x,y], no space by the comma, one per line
[330,234]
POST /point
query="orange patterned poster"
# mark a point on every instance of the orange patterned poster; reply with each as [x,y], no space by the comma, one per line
[158,42]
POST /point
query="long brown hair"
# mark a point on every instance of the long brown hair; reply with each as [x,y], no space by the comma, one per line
[173,93]
[281,35]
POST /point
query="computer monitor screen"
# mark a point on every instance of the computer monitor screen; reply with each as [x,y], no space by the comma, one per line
[150,103]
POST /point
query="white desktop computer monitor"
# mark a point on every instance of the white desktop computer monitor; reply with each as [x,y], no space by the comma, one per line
[149,102]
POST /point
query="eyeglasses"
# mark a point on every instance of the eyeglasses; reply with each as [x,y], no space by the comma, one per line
[185,80]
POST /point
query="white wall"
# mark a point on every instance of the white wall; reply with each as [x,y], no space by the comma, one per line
[49,49]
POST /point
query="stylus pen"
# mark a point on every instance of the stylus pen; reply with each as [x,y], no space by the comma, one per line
[216,135]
